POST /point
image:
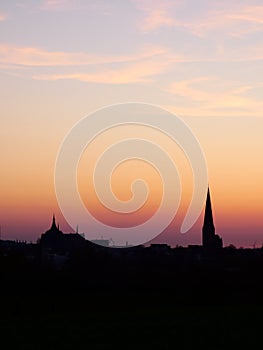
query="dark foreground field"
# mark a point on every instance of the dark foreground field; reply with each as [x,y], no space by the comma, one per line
[142,308]
[131,326]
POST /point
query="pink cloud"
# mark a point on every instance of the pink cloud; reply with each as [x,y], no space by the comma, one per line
[156,14]
[249,14]
[3,17]
[32,56]
[225,98]
[53,5]
[74,5]
[157,18]
[134,73]
[232,21]
[139,67]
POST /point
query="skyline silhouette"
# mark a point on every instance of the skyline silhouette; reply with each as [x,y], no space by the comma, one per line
[54,238]
[157,290]
[207,238]
[115,116]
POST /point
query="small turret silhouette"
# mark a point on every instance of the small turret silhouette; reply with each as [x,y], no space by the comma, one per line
[55,241]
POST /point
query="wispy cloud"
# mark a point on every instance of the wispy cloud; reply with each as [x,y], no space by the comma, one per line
[141,66]
[208,100]
[32,56]
[233,20]
[248,13]
[3,17]
[102,7]
[133,73]
[157,18]
[156,14]
[57,5]
[187,88]
[196,90]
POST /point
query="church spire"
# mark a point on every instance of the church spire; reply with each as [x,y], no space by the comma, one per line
[53,226]
[208,219]
[210,239]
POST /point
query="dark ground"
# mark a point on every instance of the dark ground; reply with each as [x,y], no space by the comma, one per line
[109,303]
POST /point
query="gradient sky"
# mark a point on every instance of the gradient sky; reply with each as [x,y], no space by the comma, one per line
[202,60]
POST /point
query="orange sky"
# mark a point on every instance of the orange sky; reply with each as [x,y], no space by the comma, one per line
[61,60]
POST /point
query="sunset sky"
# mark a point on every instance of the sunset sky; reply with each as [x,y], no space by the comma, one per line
[201,60]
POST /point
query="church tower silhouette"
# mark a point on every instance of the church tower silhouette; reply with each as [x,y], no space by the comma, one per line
[54,226]
[209,238]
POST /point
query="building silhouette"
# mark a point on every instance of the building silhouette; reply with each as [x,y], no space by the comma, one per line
[210,239]
[55,241]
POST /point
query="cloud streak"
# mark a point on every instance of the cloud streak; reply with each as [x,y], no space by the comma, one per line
[106,69]
[57,5]
[135,73]
[231,20]
[3,17]
[32,56]
[156,14]
[207,101]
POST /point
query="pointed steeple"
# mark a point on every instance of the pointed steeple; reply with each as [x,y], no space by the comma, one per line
[208,219]
[210,239]
[53,226]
